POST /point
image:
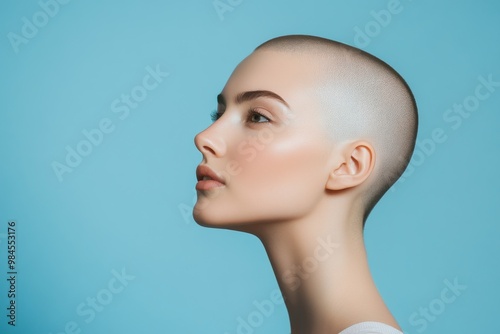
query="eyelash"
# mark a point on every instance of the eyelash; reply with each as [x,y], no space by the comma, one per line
[215,115]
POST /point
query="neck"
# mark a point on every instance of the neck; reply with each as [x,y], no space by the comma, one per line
[322,270]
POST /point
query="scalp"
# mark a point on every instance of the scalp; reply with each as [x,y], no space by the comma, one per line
[363,98]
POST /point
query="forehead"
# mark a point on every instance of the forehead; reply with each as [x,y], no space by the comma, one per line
[295,77]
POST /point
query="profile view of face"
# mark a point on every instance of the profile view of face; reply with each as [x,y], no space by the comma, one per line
[267,144]
[308,135]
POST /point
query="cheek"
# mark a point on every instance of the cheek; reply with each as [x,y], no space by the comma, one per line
[282,174]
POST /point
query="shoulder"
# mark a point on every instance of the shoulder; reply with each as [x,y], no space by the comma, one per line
[370,327]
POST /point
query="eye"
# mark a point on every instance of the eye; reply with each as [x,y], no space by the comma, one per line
[253,116]
[256,117]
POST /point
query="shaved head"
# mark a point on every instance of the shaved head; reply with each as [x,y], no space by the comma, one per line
[361,97]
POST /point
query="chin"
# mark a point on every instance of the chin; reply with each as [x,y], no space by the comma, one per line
[206,218]
[208,212]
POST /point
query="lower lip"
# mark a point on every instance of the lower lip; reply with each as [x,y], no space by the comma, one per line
[208,184]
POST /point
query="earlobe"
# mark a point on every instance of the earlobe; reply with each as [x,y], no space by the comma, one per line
[357,162]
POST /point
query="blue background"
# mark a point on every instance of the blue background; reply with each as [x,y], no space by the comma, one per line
[127,205]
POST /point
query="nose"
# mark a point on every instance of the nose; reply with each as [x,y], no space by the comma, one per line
[209,142]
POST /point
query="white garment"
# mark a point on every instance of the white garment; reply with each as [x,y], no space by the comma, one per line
[370,327]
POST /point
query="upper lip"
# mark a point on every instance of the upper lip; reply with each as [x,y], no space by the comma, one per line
[204,170]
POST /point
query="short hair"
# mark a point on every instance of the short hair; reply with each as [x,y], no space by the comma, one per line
[377,104]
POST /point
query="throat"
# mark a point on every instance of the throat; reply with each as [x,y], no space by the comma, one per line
[325,281]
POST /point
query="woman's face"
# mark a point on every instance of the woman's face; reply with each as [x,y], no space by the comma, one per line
[267,143]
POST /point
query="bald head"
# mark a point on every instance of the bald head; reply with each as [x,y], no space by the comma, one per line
[361,98]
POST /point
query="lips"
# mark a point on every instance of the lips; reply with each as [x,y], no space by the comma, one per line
[207,178]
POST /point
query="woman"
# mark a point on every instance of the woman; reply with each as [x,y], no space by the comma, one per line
[308,135]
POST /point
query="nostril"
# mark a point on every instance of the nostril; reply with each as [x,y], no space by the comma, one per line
[209,149]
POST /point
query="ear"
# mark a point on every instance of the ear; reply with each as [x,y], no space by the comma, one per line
[357,160]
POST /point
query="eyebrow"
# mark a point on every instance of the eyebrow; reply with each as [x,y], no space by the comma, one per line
[252,95]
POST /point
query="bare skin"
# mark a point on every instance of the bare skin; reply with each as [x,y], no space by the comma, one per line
[336,292]
[295,189]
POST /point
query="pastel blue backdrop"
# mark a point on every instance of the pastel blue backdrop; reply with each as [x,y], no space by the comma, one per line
[109,245]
